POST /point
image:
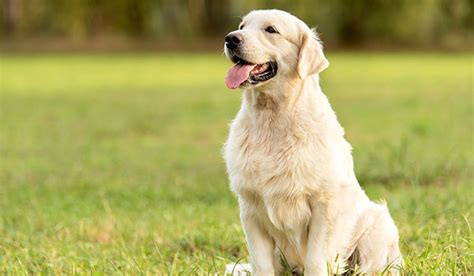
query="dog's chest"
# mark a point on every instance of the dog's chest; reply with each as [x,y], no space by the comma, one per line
[265,160]
[273,171]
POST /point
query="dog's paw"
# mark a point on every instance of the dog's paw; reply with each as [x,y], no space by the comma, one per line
[238,269]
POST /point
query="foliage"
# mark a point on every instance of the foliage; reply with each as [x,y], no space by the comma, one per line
[445,23]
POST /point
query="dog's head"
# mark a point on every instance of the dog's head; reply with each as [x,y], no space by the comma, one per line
[272,45]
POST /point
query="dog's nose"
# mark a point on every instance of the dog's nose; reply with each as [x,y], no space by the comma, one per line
[232,41]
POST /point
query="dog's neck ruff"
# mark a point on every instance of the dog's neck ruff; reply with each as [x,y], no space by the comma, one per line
[280,96]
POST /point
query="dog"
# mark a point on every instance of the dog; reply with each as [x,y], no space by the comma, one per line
[301,206]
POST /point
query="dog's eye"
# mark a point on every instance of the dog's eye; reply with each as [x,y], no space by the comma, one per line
[241,27]
[271,30]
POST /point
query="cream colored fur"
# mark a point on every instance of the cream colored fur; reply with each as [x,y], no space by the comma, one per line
[292,169]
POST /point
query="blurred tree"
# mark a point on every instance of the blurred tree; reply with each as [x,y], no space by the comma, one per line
[341,22]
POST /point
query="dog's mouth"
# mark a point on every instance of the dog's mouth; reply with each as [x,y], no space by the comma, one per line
[245,73]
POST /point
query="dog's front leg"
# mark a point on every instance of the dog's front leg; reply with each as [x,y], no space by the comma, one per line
[322,253]
[259,243]
[315,259]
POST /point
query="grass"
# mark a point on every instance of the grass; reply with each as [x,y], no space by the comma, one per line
[112,163]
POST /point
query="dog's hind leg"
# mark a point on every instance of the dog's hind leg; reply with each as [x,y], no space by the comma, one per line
[378,250]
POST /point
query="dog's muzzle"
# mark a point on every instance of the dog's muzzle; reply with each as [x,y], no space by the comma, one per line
[232,41]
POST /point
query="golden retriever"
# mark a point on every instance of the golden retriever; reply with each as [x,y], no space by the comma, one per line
[289,164]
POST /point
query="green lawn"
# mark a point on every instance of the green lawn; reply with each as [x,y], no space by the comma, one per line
[112,163]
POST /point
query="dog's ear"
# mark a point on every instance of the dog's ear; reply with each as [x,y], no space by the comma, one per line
[311,59]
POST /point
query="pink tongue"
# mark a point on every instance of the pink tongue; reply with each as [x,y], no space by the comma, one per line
[237,75]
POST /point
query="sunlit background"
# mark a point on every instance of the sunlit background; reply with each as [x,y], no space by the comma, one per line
[113,115]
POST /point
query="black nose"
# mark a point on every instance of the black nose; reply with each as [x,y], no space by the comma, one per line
[232,41]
